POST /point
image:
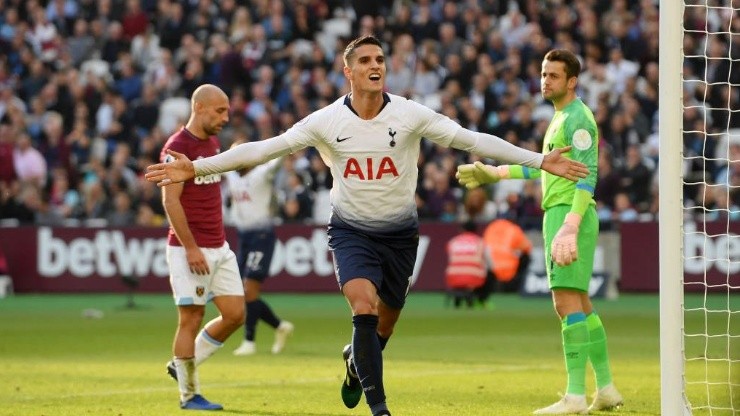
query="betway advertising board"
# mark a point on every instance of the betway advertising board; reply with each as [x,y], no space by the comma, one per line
[44,259]
[711,257]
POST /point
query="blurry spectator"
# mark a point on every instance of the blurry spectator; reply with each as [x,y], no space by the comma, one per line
[145,111]
[145,48]
[63,199]
[623,210]
[115,44]
[81,43]
[135,20]
[620,70]
[37,202]
[321,179]
[438,193]
[529,206]
[636,179]
[94,200]
[171,26]
[30,165]
[296,201]
[608,183]
[399,78]
[10,25]
[128,82]
[596,84]
[729,174]
[8,170]
[146,217]
[122,215]
[44,37]
[34,81]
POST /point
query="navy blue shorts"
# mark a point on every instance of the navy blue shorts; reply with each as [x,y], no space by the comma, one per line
[386,259]
[255,253]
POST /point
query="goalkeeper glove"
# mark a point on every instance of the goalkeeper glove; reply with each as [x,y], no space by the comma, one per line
[565,246]
[477,174]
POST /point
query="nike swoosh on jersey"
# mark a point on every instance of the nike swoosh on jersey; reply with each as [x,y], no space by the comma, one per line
[343,139]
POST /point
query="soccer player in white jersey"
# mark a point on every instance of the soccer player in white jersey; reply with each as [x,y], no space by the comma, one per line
[250,192]
[371,142]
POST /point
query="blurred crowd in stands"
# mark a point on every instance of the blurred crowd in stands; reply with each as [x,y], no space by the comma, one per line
[91,89]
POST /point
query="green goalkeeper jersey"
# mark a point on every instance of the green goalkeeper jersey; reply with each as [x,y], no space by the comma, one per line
[574,126]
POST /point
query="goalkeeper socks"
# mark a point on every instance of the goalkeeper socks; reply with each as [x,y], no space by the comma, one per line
[267,315]
[368,357]
[187,378]
[575,349]
[205,346]
[253,315]
[597,351]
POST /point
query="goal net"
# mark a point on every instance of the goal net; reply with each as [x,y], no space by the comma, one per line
[700,207]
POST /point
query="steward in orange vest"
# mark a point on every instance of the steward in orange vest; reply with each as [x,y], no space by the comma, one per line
[466,260]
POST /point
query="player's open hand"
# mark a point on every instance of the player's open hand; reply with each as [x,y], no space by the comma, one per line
[473,175]
[557,164]
[178,169]
[564,248]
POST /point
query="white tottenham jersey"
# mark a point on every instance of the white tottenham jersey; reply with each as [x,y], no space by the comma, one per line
[373,162]
[251,196]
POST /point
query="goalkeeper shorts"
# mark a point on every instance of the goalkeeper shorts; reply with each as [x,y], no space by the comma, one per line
[576,275]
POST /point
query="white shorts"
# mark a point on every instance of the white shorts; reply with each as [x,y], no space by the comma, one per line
[192,289]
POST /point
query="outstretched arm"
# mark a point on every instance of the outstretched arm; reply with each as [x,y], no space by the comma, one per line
[477,174]
[496,148]
[244,155]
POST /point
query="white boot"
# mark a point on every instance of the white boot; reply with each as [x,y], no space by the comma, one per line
[606,398]
[282,332]
[246,348]
[569,404]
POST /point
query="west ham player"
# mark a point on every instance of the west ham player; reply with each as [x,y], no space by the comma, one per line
[571,230]
[202,267]
[371,142]
[250,192]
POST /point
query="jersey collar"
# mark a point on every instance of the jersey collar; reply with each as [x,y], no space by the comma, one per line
[348,103]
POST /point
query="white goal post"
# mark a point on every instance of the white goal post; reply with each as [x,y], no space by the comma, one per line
[699,332]
[670,227]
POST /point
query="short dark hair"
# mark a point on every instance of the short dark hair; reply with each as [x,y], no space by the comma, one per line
[572,64]
[362,40]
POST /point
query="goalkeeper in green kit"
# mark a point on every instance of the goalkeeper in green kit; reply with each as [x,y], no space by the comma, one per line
[570,230]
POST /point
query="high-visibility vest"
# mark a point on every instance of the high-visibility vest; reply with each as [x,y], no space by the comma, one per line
[466,263]
[506,242]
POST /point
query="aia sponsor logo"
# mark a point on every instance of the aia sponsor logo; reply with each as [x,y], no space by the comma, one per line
[371,169]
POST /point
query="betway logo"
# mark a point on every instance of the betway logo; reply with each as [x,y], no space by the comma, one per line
[704,252]
[111,253]
[107,254]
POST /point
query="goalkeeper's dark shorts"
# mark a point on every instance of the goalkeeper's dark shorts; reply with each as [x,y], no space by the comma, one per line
[576,275]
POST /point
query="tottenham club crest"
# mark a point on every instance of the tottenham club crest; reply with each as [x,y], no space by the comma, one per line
[392,133]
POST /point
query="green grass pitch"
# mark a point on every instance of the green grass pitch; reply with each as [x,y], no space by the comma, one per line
[441,361]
